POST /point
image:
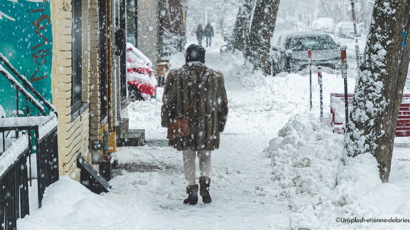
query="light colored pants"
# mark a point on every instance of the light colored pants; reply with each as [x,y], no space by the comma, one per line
[189,164]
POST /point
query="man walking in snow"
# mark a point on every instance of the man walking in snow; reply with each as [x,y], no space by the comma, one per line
[199,33]
[209,33]
[206,89]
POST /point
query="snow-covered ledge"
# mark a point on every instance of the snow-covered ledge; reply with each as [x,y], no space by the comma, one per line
[46,125]
[15,122]
[11,154]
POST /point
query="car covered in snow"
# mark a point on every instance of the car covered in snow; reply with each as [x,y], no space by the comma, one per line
[289,51]
[142,84]
[323,24]
[345,30]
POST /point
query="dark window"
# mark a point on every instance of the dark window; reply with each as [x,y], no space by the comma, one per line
[287,43]
[104,56]
[313,43]
[123,59]
[76,60]
[131,26]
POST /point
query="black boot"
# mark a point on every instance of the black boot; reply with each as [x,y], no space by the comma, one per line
[192,199]
[204,190]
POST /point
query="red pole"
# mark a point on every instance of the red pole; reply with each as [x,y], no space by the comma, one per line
[343,54]
[310,75]
[344,75]
[319,75]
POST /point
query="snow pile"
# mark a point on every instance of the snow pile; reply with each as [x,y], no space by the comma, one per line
[304,160]
[69,205]
[324,190]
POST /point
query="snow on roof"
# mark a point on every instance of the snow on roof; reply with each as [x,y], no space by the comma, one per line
[308,34]
[139,53]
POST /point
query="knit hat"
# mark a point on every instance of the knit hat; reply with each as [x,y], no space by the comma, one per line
[195,53]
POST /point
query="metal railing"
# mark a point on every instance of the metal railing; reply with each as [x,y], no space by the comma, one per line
[32,132]
[47,163]
[14,201]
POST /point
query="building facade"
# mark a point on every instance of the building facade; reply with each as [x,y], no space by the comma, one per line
[71,52]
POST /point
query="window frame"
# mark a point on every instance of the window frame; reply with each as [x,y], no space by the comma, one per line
[76,56]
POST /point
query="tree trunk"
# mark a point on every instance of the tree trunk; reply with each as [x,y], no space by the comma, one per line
[380,84]
[263,24]
[241,28]
[238,31]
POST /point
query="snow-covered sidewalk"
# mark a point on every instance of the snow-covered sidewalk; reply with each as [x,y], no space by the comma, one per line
[275,169]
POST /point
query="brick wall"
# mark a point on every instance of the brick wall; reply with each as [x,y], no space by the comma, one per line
[95,105]
[73,136]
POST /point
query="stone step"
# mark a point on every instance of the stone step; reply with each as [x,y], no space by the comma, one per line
[133,137]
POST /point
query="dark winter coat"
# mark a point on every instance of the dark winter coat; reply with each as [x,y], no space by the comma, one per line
[209,31]
[209,112]
[199,32]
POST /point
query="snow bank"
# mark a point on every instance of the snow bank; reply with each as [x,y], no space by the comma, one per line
[323,188]
[69,205]
[304,160]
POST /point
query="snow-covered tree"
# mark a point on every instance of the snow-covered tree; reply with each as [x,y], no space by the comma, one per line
[263,24]
[379,87]
[242,22]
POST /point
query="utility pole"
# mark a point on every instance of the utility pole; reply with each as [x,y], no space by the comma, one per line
[355,34]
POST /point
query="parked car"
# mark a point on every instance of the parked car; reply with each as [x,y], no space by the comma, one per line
[345,30]
[324,25]
[142,84]
[289,51]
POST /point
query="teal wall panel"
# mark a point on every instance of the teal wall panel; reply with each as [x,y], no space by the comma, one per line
[26,41]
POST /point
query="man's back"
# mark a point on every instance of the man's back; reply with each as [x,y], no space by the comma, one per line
[209,31]
[209,109]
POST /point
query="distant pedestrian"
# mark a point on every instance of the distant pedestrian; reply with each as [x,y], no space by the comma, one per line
[200,91]
[199,33]
[209,34]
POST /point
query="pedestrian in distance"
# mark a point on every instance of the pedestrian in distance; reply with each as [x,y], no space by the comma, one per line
[199,33]
[209,34]
[196,88]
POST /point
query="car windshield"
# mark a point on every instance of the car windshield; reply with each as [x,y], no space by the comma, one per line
[313,43]
[134,57]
